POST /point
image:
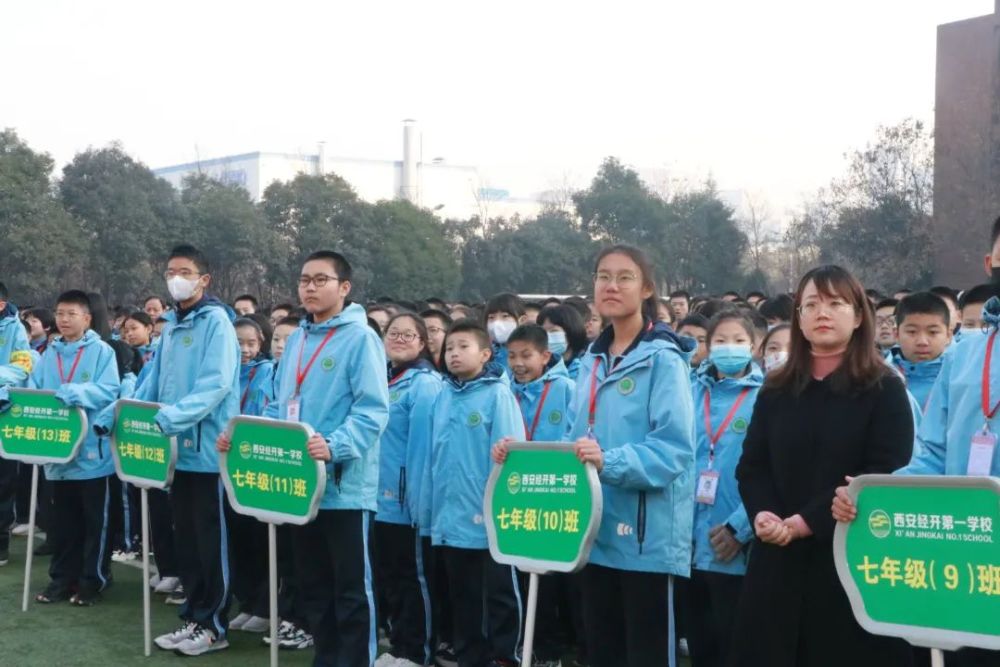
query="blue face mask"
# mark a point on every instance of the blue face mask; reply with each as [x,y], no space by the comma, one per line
[557,343]
[730,359]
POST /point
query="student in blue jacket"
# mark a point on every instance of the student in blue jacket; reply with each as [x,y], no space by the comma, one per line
[724,392]
[247,536]
[924,333]
[567,336]
[502,314]
[403,557]
[332,376]
[82,370]
[544,392]
[474,410]
[195,374]
[16,362]
[632,418]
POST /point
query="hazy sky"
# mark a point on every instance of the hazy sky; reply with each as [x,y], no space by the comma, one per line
[767,95]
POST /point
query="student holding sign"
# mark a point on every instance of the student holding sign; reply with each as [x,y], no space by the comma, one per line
[15,365]
[82,370]
[195,376]
[632,417]
[333,377]
[834,408]
[475,409]
[724,391]
[404,562]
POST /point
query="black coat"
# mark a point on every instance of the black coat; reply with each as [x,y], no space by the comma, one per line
[794,612]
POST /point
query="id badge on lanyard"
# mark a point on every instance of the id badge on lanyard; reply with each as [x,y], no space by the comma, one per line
[708,487]
[293,409]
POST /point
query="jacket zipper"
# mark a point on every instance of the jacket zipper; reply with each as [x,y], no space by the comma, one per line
[640,520]
[100,447]
[197,446]
[402,487]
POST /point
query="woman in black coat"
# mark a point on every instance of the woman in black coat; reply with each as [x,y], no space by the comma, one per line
[834,409]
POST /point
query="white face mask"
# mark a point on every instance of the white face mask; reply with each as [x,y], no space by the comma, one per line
[501,330]
[181,289]
[775,360]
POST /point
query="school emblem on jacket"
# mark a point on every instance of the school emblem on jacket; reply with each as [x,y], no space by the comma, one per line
[394,396]
[739,425]
[187,341]
[555,417]
[85,376]
[3,341]
[328,363]
[626,386]
[475,419]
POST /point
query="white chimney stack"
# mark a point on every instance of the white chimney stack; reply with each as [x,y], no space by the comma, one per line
[410,184]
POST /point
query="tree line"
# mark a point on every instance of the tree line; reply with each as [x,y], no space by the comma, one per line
[106,222]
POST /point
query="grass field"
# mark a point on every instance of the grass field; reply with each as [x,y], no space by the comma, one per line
[106,635]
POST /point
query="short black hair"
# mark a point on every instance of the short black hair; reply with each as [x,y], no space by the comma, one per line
[75,297]
[504,302]
[188,251]
[579,304]
[532,334]
[439,314]
[568,319]
[694,320]
[141,317]
[679,294]
[922,303]
[287,307]
[288,321]
[474,327]
[338,261]
[978,294]
[780,307]
[4,294]
[946,293]
[709,308]
[551,301]
[731,293]
[246,297]
[888,302]
[759,321]
[740,315]
[994,233]
[163,304]
[436,303]
[44,316]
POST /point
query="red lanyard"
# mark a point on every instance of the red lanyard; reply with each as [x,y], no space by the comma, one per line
[713,439]
[246,392]
[398,377]
[987,413]
[301,373]
[72,370]
[538,411]
[593,396]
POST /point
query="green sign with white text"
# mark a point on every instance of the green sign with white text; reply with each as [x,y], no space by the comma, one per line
[544,508]
[39,428]
[144,456]
[268,472]
[922,560]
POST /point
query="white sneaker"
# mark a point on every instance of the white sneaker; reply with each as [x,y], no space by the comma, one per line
[167,585]
[20,530]
[238,622]
[154,581]
[172,639]
[682,646]
[201,641]
[256,624]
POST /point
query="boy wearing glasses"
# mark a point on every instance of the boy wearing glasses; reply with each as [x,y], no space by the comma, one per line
[333,377]
[196,376]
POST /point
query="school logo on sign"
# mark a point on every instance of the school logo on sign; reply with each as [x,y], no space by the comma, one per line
[475,419]
[555,417]
[328,363]
[739,425]
[626,386]
[16,411]
[513,483]
[187,341]
[245,450]
[879,524]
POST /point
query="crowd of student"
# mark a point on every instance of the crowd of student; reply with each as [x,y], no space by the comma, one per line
[722,430]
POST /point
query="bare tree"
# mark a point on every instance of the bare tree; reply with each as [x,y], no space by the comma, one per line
[755,223]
